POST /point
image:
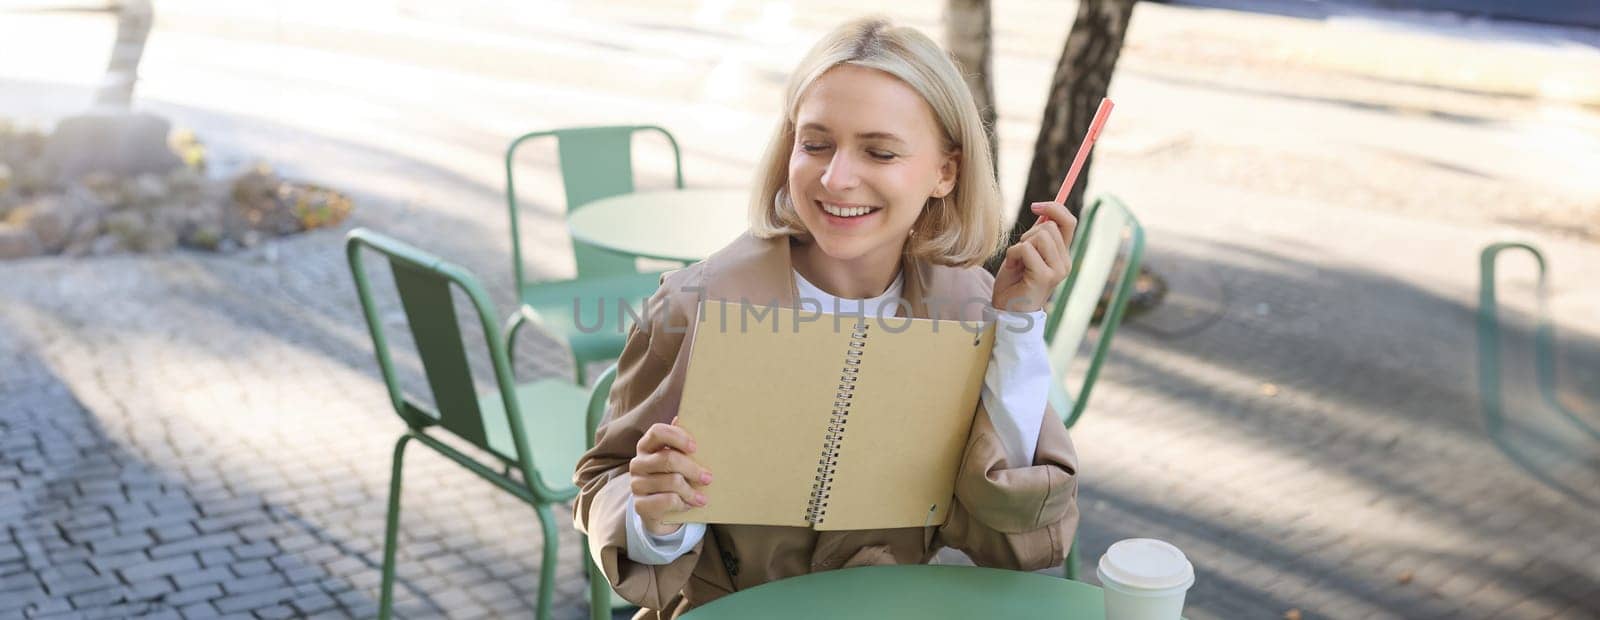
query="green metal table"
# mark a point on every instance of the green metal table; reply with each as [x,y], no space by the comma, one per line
[683,225]
[912,591]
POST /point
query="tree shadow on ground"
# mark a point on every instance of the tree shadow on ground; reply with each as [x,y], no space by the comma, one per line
[1378,381]
[1359,342]
[104,531]
[246,526]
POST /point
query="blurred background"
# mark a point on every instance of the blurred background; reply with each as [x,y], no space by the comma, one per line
[192,424]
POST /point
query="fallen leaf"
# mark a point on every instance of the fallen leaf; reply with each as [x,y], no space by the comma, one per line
[1268,389]
[1405,577]
[1293,614]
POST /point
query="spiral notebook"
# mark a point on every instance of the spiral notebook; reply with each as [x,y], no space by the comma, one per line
[830,422]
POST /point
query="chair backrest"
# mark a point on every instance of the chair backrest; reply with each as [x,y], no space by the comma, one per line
[424,283]
[1489,328]
[1106,226]
[596,162]
[598,395]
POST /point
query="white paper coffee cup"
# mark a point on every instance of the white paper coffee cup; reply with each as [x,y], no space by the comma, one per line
[1144,579]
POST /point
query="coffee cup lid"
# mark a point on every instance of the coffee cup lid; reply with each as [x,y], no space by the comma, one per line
[1147,564]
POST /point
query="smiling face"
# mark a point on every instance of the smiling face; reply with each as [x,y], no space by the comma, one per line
[868,153]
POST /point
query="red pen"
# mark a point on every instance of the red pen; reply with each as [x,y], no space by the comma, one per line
[1095,126]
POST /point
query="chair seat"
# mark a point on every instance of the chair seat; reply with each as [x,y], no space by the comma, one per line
[552,416]
[601,301]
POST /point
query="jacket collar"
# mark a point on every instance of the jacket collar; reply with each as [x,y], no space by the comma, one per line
[761,271]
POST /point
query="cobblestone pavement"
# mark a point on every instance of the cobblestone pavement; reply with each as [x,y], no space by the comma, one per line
[195,435]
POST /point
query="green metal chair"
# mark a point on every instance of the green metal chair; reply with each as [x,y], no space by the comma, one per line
[1490,379]
[596,163]
[1489,376]
[1105,227]
[534,428]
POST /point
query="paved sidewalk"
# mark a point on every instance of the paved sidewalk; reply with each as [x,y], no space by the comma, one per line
[194,435]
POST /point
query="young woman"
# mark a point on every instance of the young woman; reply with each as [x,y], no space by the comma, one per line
[876,189]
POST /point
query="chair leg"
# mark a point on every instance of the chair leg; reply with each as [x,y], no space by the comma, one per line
[1071,568]
[391,532]
[547,567]
[599,588]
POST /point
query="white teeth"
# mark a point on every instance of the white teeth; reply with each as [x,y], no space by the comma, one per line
[845,211]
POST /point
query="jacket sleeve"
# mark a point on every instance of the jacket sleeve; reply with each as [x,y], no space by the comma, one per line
[1020,518]
[646,391]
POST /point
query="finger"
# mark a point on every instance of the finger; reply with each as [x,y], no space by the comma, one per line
[1014,255]
[665,436]
[1011,267]
[1038,270]
[1007,265]
[1055,211]
[1036,208]
[669,462]
[1054,248]
[1028,262]
[1069,230]
[1044,246]
[654,507]
[666,483]
[1031,232]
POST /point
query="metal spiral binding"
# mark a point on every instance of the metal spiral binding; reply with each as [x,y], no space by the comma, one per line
[817,507]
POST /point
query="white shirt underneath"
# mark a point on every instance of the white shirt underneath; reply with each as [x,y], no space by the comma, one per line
[1015,389]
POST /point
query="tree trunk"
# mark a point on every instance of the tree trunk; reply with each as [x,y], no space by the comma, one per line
[134,18]
[1082,77]
[970,39]
[111,137]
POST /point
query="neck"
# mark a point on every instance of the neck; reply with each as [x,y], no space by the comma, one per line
[858,278]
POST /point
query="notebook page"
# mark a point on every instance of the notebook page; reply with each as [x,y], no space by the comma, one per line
[908,424]
[757,398]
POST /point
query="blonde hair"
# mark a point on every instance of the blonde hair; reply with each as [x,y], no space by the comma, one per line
[960,229]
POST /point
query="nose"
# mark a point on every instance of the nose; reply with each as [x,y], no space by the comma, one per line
[840,175]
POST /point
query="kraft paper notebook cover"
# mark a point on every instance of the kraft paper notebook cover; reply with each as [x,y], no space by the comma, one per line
[860,427]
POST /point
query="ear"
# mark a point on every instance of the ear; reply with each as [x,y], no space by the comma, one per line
[949,171]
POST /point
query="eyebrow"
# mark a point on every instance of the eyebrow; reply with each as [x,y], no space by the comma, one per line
[883,135]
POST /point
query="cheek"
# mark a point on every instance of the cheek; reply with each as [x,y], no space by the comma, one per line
[803,172]
[907,188]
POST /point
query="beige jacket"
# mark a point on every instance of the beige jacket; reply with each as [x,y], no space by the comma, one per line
[1021,518]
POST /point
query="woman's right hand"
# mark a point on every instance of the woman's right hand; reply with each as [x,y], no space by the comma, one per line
[665,479]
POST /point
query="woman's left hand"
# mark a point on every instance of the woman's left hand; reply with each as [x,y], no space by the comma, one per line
[1039,261]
